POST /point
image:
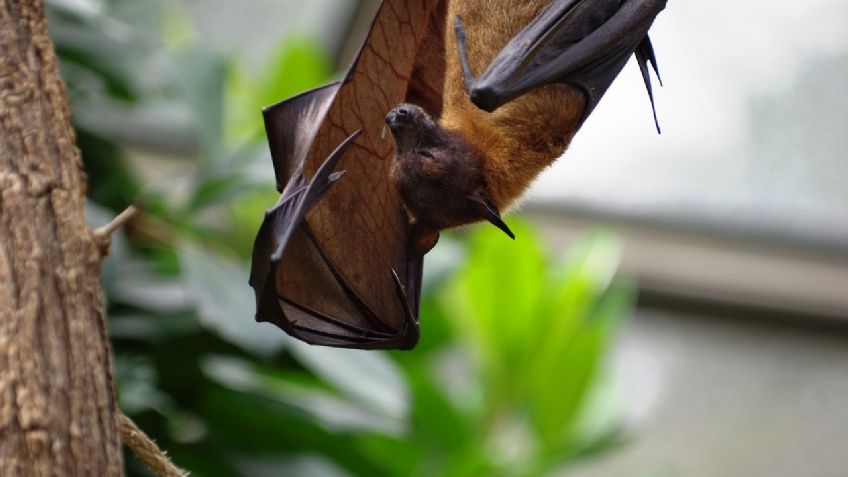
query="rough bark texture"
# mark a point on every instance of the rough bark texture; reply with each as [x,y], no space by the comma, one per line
[57,404]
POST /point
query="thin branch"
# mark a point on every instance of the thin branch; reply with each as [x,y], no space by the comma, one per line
[146,450]
[116,223]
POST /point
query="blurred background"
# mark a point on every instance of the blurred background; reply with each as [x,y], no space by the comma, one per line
[676,305]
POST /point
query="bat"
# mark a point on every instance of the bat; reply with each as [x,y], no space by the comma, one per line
[338,260]
[544,67]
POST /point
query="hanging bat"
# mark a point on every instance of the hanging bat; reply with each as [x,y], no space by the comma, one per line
[544,68]
[338,260]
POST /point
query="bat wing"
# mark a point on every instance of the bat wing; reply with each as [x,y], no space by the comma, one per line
[585,43]
[330,262]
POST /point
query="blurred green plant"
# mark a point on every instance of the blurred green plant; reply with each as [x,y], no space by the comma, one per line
[537,335]
[504,382]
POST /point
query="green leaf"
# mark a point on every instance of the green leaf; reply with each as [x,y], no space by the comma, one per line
[136,381]
[583,318]
[139,285]
[298,64]
[214,189]
[202,76]
[151,327]
[217,286]
[540,334]
[334,412]
[367,377]
[247,211]
[496,295]
[311,465]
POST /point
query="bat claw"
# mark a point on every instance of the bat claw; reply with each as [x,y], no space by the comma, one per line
[410,331]
[490,212]
[645,54]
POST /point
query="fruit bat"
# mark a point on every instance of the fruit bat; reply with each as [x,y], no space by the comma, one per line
[448,112]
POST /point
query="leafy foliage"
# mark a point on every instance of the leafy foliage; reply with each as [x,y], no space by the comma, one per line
[502,383]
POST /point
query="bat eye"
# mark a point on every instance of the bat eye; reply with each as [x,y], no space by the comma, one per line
[402,112]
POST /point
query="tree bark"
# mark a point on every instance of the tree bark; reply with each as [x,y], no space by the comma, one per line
[57,402]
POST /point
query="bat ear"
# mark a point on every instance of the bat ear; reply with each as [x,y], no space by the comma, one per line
[490,212]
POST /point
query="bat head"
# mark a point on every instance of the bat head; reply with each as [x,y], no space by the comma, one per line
[408,114]
[420,140]
[413,128]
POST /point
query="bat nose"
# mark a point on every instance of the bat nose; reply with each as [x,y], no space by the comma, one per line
[396,115]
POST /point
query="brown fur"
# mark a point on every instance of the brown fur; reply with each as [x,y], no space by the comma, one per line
[524,136]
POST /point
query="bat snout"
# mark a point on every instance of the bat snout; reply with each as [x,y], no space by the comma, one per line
[398,115]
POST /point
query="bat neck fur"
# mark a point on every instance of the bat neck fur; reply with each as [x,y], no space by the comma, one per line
[519,139]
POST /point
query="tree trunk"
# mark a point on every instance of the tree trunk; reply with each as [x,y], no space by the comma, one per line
[57,403]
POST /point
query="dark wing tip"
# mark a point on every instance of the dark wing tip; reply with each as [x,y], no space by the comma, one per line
[489,211]
[645,54]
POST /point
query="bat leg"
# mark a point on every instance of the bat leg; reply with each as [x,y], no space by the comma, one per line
[583,43]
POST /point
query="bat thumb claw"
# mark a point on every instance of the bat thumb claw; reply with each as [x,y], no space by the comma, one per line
[491,214]
[502,225]
[497,221]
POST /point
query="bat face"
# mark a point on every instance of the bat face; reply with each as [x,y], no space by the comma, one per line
[412,128]
[435,173]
